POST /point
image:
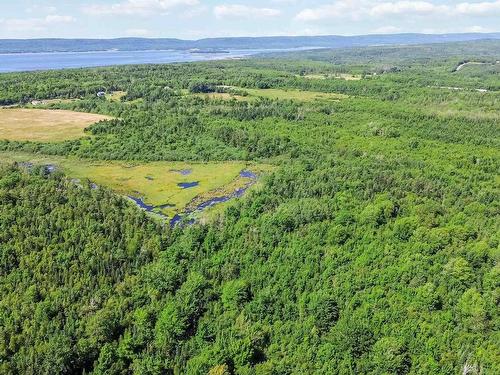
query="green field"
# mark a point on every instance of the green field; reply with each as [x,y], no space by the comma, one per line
[291,94]
[344,76]
[279,94]
[155,183]
[223,96]
[299,95]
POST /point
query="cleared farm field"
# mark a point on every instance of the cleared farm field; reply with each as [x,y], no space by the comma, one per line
[22,124]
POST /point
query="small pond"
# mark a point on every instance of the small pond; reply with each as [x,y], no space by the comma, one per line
[187,185]
[142,204]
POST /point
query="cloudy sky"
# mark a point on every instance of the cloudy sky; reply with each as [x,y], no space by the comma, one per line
[193,19]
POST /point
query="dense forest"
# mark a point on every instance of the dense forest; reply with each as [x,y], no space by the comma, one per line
[371,248]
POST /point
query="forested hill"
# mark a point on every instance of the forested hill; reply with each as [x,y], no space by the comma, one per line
[370,247]
[279,42]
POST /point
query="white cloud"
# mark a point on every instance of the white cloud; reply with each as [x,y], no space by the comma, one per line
[238,10]
[339,9]
[364,9]
[407,7]
[485,8]
[137,7]
[35,24]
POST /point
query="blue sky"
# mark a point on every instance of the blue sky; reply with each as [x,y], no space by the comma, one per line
[193,19]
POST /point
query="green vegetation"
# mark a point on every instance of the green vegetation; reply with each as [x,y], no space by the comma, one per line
[348,77]
[298,95]
[155,183]
[116,95]
[248,94]
[371,245]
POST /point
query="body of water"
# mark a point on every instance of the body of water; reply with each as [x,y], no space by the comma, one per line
[187,185]
[178,218]
[19,62]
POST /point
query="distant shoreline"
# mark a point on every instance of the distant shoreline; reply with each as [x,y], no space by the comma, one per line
[119,50]
[45,45]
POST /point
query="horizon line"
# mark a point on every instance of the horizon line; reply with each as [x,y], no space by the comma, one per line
[254,37]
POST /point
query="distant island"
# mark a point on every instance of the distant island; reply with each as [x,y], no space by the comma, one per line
[219,45]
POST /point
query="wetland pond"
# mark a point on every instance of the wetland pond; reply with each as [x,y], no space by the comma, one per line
[200,206]
[187,185]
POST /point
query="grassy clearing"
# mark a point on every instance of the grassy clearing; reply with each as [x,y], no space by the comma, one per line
[280,94]
[115,96]
[299,95]
[47,103]
[472,115]
[345,76]
[22,124]
[477,64]
[155,183]
[222,96]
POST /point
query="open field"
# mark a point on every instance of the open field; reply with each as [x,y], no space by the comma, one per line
[21,124]
[476,63]
[479,69]
[345,76]
[280,94]
[472,115]
[223,96]
[49,102]
[299,95]
[155,183]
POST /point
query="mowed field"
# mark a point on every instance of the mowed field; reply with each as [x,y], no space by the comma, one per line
[21,124]
[155,183]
